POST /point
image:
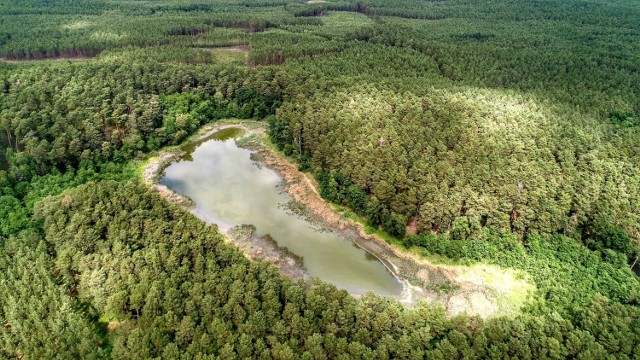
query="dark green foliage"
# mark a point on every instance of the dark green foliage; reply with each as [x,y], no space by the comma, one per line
[356,199]
[15,215]
[17,198]
[396,225]
[305,162]
[175,288]
[624,119]
[58,116]
[609,236]
[280,134]
[340,189]
[40,320]
[184,113]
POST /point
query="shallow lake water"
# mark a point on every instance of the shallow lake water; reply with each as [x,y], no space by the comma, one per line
[230,189]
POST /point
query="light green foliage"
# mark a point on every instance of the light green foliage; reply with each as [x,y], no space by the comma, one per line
[464,159]
[335,24]
[551,261]
[163,54]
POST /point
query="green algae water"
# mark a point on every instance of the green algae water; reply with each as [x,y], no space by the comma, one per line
[230,189]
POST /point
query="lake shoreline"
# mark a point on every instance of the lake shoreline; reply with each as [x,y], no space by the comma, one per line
[435,284]
[289,175]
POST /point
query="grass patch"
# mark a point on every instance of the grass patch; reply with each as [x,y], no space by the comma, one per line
[231,56]
[344,21]
[107,318]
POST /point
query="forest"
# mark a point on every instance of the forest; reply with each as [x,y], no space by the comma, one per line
[494,132]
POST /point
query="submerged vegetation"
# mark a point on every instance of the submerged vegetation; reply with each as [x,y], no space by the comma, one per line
[493,132]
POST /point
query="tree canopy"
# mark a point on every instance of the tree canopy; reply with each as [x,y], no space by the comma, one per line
[491,131]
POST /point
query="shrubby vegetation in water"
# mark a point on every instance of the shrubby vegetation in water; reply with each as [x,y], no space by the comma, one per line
[506,132]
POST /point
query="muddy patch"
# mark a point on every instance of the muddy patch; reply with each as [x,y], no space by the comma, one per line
[152,173]
[264,247]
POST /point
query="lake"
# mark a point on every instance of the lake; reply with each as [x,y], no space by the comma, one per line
[230,189]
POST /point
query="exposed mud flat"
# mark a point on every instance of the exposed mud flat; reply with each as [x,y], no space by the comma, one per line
[264,247]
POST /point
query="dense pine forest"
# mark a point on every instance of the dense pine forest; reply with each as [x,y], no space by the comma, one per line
[498,132]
